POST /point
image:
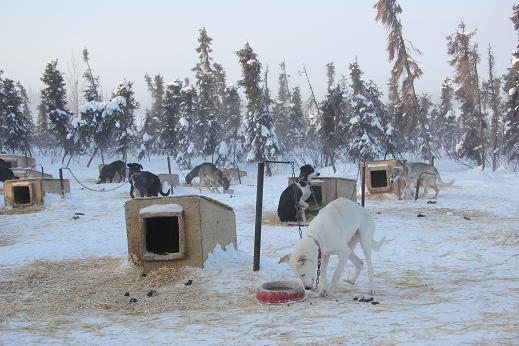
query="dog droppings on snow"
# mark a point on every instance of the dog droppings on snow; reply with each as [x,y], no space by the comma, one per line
[143,275]
[375,303]
[467,218]
[133,300]
[431,202]
[420,215]
[188,282]
[127,294]
[151,293]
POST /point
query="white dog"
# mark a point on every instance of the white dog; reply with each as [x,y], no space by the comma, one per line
[336,230]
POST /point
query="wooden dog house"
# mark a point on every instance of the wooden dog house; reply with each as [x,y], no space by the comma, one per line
[18,161]
[177,231]
[378,178]
[27,192]
[327,189]
[27,173]
[172,179]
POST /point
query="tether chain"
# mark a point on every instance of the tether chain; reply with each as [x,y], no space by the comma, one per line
[88,188]
[293,165]
[318,273]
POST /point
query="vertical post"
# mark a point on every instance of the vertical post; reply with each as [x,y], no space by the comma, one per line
[170,178]
[169,165]
[259,208]
[42,171]
[363,186]
[61,183]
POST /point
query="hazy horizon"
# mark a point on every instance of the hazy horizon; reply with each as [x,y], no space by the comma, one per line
[127,39]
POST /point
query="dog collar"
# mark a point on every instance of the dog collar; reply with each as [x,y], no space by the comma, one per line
[319,255]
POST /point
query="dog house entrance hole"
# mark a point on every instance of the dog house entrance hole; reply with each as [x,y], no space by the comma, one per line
[22,195]
[379,178]
[162,235]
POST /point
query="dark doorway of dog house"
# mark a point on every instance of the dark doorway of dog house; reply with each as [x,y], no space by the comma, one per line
[22,195]
[379,178]
[162,235]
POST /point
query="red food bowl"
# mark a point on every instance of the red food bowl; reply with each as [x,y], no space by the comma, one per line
[280,292]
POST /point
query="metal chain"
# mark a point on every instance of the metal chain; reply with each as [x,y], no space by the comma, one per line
[318,274]
[88,188]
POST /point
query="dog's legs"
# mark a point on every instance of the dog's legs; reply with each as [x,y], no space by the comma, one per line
[343,258]
[357,262]
[366,231]
[436,189]
[302,210]
[323,279]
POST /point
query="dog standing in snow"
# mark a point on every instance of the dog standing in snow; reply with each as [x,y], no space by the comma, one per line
[410,172]
[336,230]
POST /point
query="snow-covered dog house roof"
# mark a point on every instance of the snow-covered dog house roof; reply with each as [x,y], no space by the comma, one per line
[28,192]
[177,230]
[378,179]
[28,173]
[18,161]
[327,189]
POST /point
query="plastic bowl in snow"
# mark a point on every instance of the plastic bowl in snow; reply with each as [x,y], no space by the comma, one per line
[280,292]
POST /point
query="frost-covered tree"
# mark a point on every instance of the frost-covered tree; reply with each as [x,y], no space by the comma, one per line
[332,126]
[171,108]
[491,98]
[91,91]
[281,111]
[125,131]
[206,127]
[511,89]
[149,134]
[260,138]
[405,70]
[364,129]
[296,121]
[14,124]
[53,107]
[231,146]
[184,129]
[443,120]
[465,59]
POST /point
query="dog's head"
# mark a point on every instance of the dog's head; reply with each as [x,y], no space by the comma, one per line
[395,173]
[308,172]
[225,183]
[134,168]
[304,264]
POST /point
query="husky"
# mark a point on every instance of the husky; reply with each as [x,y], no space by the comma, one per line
[148,184]
[410,172]
[292,202]
[109,171]
[336,230]
[212,177]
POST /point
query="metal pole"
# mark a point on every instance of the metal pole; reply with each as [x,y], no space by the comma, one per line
[61,183]
[363,185]
[170,178]
[42,171]
[259,208]
[169,165]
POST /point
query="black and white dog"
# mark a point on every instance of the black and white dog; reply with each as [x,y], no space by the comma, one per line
[6,174]
[293,199]
[148,184]
[133,168]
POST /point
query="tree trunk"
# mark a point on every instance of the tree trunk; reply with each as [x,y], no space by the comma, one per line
[92,157]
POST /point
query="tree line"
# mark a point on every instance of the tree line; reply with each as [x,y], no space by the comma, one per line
[475,119]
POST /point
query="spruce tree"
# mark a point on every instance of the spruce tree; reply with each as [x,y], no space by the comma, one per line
[261,143]
[231,147]
[444,123]
[296,121]
[281,111]
[14,124]
[53,107]
[511,89]
[91,91]
[404,72]
[171,111]
[185,126]
[125,131]
[332,129]
[206,127]
[152,121]
[464,59]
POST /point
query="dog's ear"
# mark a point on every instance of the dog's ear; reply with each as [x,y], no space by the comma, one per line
[285,258]
[141,166]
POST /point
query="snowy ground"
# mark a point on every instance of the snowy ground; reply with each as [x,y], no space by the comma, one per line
[448,278]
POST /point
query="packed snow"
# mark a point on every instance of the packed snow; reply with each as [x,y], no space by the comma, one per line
[447,278]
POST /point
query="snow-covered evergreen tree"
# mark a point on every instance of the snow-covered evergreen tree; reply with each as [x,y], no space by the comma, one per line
[260,139]
[14,124]
[125,131]
[511,89]
[206,127]
[171,108]
[91,91]
[53,107]
[230,148]
[281,111]
[332,130]
[444,122]
[185,125]
[464,59]
[296,121]
[149,133]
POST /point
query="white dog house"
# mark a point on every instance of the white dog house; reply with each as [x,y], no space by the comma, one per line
[327,189]
[378,179]
[29,192]
[177,231]
[18,161]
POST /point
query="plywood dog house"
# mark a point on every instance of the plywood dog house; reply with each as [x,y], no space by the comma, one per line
[327,189]
[28,192]
[177,231]
[18,161]
[378,178]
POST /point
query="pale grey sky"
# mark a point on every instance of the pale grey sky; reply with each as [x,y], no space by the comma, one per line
[128,38]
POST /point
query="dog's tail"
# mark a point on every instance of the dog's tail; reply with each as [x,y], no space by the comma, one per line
[444,184]
[377,244]
[193,174]
[165,194]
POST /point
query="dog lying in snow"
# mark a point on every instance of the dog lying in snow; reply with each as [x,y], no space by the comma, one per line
[410,172]
[148,184]
[292,202]
[109,171]
[336,230]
